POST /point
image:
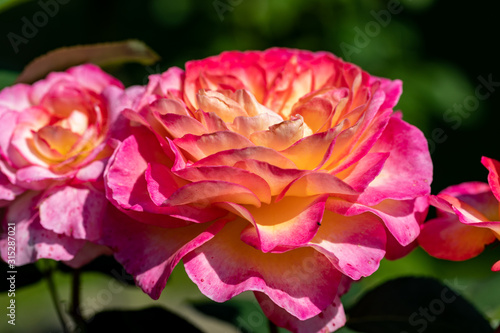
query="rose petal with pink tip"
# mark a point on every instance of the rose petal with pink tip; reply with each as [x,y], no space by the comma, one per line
[199,147]
[154,252]
[233,156]
[399,217]
[38,178]
[127,187]
[355,254]
[394,250]
[496,267]
[252,181]
[206,192]
[281,226]
[312,151]
[329,320]
[276,178]
[360,175]
[493,167]
[15,98]
[282,135]
[301,281]
[318,183]
[447,238]
[407,173]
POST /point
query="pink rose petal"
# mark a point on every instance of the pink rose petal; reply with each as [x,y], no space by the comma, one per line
[284,225]
[80,216]
[398,216]
[301,281]
[154,251]
[331,319]
[199,147]
[355,254]
[494,175]
[407,173]
[251,181]
[38,178]
[33,241]
[233,156]
[447,238]
[15,98]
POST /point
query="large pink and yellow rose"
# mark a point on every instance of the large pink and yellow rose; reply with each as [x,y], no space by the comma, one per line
[282,172]
[467,218]
[54,146]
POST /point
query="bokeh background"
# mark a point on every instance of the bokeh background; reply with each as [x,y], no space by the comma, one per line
[444,51]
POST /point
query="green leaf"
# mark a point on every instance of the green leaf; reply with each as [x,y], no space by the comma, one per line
[153,319]
[408,305]
[246,315]
[7,78]
[228,312]
[6,4]
[105,54]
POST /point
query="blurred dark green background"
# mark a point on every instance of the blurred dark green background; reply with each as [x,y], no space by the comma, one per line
[440,49]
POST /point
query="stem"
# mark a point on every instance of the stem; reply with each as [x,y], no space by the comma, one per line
[75,302]
[272,326]
[55,297]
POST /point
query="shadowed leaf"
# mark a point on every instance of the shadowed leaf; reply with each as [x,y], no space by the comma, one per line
[153,319]
[247,316]
[408,305]
[105,54]
[7,78]
[106,265]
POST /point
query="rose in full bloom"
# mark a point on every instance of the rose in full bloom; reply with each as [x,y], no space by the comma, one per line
[54,145]
[467,218]
[282,172]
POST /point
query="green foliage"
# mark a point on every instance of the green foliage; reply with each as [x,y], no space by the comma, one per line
[6,4]
[411,304]
[246,315]
[7,78]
